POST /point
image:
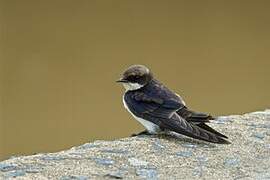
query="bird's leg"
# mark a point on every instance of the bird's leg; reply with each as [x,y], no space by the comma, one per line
[145,132]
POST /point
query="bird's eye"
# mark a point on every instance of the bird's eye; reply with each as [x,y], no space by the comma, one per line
[133,78]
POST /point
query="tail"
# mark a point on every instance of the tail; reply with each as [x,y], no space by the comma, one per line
[181,126]
[196,117]
[199,119]
[209,129]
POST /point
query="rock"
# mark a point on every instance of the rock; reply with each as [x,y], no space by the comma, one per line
[158,157]
[231,162]
[189,145]
[115,151]
[14,174]
[104,161]
[258,135]
[158,146]
[119,174]
[184,153]
[137,162]
[74,177]
[150,174]
[4,167]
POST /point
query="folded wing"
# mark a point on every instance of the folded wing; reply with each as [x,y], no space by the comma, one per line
[161,110]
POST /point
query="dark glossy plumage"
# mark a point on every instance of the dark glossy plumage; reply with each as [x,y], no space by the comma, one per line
[199,119]
[157,104]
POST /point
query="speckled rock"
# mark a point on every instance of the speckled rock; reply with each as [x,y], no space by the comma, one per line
[158,157]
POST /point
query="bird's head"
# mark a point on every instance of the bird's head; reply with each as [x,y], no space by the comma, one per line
[135,77]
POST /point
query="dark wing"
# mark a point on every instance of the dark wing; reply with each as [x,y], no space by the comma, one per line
[162,111]
[199,119]
[161,106]
[193,116]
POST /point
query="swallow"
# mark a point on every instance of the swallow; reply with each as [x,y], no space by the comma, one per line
[161,110]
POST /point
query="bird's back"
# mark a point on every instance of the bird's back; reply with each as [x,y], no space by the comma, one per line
[156,89]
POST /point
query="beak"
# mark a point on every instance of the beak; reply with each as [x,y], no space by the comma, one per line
[121,80]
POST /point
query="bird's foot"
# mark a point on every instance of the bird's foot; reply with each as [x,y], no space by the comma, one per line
[145,132]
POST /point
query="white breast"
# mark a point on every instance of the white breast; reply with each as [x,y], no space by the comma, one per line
[151,127]
[132,86]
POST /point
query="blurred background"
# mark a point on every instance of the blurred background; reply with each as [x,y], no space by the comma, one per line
[60,60]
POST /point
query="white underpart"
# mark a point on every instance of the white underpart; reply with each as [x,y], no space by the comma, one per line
[132,86]
[151,127]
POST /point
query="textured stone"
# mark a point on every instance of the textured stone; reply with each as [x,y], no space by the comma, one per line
[158,157]
[184,153]
[137,162]
[104,161]
[4,167]
[147,173]
[14,174]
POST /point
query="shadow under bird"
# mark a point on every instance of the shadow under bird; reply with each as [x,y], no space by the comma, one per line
[159,109]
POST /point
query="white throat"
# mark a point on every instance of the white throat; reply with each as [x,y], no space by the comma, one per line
[132,86]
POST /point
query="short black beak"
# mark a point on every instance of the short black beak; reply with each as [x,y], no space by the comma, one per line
[121,81]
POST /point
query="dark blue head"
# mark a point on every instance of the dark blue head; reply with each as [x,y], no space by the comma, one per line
[135,77]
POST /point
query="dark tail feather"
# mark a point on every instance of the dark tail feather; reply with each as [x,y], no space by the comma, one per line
[193,116]
[199,119]
[208,128]
[181,126]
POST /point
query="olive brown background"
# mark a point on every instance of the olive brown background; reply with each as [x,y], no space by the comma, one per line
[60,60]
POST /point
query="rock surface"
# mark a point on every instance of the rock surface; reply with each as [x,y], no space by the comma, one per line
[158,157]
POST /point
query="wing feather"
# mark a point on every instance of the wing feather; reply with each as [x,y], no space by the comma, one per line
[161,110]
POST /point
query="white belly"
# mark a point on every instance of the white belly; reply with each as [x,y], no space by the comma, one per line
[151,127]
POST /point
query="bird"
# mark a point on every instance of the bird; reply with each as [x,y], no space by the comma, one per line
[161,110]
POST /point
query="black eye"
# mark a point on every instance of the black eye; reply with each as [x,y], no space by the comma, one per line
[133,78]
